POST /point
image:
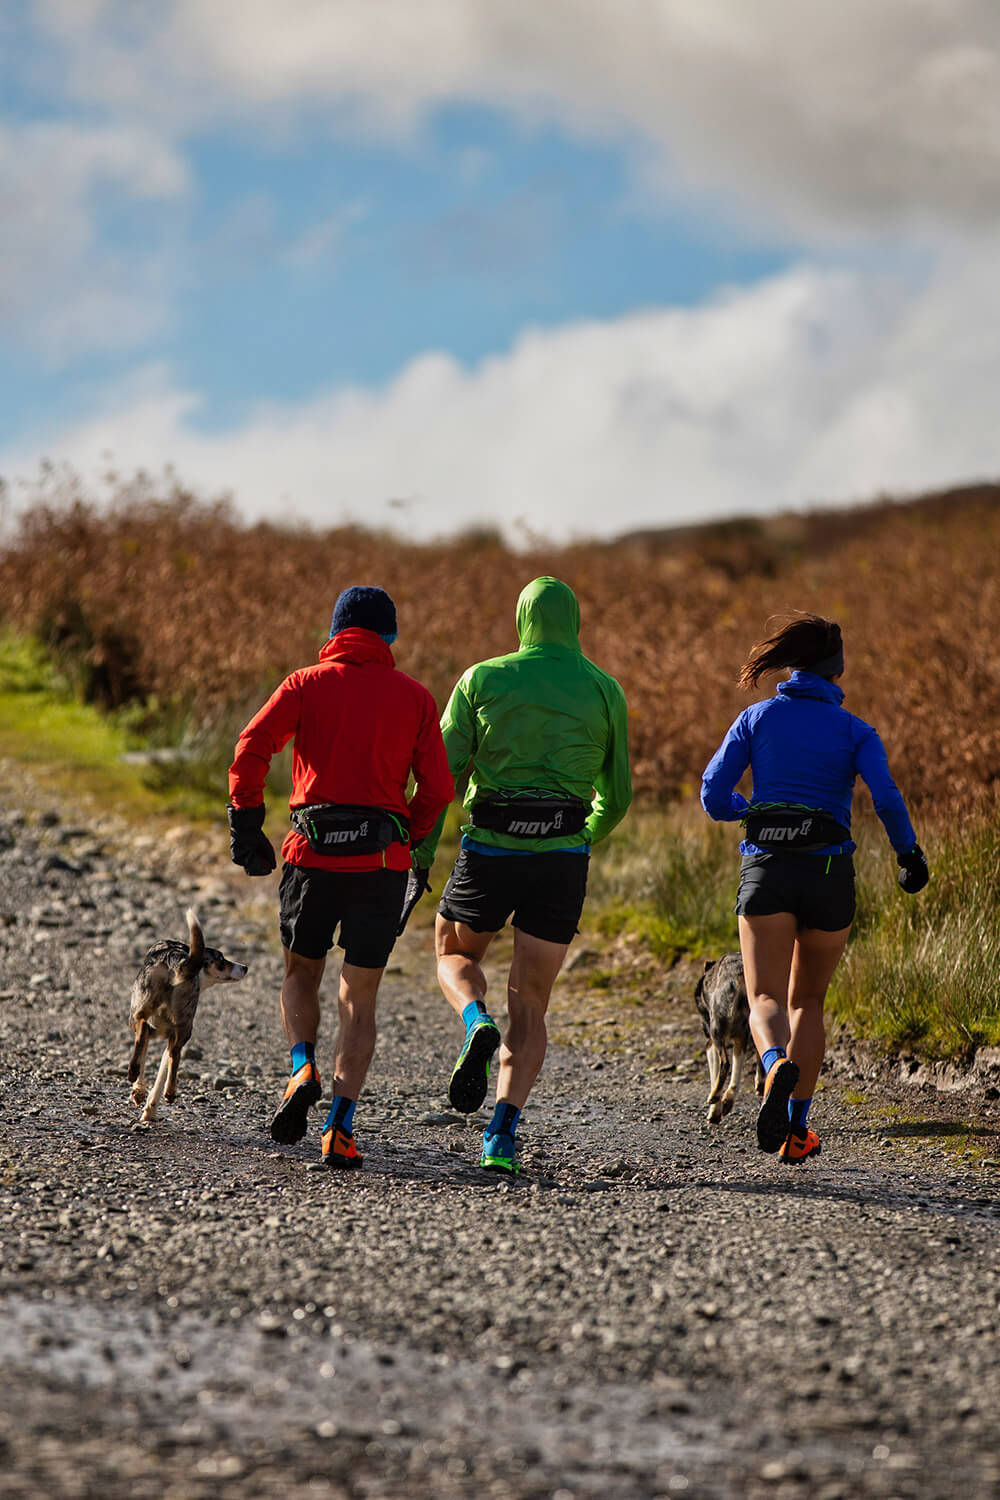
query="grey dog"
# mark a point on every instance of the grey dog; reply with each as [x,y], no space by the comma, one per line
[721,998]
[164,1000]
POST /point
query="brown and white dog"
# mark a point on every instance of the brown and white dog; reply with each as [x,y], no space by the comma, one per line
[721,998]
[164,1000]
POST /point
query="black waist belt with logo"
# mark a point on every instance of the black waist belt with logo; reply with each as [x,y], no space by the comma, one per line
[343,828]
[793,830]
[529,817]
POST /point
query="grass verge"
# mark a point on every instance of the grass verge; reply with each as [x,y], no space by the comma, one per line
[920,972]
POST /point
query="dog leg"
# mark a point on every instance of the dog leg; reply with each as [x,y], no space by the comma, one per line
[735,1078]
[716,1063]
[137,1062]
[156,1092]
[174,1053]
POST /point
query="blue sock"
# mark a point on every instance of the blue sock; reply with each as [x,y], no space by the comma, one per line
[770,1057]
[341,1116]
[797,1111]
[302,1053]
[473,1012]
[504,1121]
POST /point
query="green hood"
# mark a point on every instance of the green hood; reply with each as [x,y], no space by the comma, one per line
[548,614]
[542,720]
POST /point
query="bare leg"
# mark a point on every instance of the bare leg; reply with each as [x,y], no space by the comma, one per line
[460,953]
[356,1032]
[300,1009]
[817,955]
[533,972]
[768,947]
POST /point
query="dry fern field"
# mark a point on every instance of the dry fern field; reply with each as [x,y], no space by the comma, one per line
[174,602]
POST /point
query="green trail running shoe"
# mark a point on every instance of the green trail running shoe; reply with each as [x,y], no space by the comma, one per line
[500,1154]
[471,1074]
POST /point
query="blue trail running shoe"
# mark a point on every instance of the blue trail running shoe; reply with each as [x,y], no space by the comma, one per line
[500,1154]
[470,1076]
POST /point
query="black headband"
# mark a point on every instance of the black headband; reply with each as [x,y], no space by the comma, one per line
[830,666]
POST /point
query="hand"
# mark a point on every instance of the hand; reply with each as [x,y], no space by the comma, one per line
[417,881]
[248,843]
[913,871]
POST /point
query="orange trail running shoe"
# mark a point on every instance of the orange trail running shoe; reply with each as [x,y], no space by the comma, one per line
[799,1144]
[291,1116]
[339,1150]
[772,1117]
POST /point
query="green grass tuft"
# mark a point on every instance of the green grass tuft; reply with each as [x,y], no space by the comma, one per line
[671,877]
[921,971]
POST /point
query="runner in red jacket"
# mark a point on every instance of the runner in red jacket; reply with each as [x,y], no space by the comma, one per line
[359,727]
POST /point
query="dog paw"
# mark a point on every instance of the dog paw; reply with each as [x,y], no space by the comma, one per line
[139,1092]
[727,1103]
[148,1116]
[714,1115]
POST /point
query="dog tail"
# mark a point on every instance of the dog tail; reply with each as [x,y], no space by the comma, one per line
[195,960]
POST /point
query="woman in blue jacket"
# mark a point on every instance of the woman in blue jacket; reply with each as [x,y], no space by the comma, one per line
[796,892]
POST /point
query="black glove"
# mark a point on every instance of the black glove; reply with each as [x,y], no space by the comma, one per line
[417,881]
[248,843]
[913,871]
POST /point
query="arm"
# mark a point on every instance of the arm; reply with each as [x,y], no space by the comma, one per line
[873,768]
[435,787]
[262,738]
[458,734]
[268,731]
[613,783]
[718,797]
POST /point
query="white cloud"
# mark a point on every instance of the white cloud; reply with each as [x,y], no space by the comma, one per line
[811,387]
[811,118]
[64,290]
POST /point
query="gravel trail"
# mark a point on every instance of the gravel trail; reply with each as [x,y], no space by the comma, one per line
[653,1310]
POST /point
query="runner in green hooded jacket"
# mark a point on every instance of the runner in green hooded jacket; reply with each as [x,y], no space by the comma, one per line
[546,733]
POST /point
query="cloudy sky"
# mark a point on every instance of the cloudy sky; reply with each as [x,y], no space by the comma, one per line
[568,268]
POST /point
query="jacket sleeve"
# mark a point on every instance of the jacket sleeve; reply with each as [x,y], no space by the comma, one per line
[458,735]
[435,787]
[718,795]
[268,731]
[613,783]
[873,768]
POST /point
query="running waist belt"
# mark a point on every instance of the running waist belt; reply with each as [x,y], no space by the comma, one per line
[341,828]
[530,817]
[793,830]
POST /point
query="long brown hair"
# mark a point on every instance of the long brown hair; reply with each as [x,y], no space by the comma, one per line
[801,641]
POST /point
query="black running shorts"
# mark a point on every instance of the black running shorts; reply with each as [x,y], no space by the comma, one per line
[817,889]
[544,892]
[367,905]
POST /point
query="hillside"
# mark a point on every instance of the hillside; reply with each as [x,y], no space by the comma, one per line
[163,597]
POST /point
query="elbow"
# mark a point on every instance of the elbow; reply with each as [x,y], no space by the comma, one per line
[710,805]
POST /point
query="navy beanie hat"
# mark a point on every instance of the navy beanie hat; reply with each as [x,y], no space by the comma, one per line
[365,608]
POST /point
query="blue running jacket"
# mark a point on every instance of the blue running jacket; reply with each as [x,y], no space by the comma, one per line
[803,747]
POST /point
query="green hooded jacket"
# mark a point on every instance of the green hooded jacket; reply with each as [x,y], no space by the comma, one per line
[544,719]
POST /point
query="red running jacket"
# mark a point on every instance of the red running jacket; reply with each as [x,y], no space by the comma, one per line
[360,727]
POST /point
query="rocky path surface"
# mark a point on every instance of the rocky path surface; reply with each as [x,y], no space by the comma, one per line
[653,1310]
